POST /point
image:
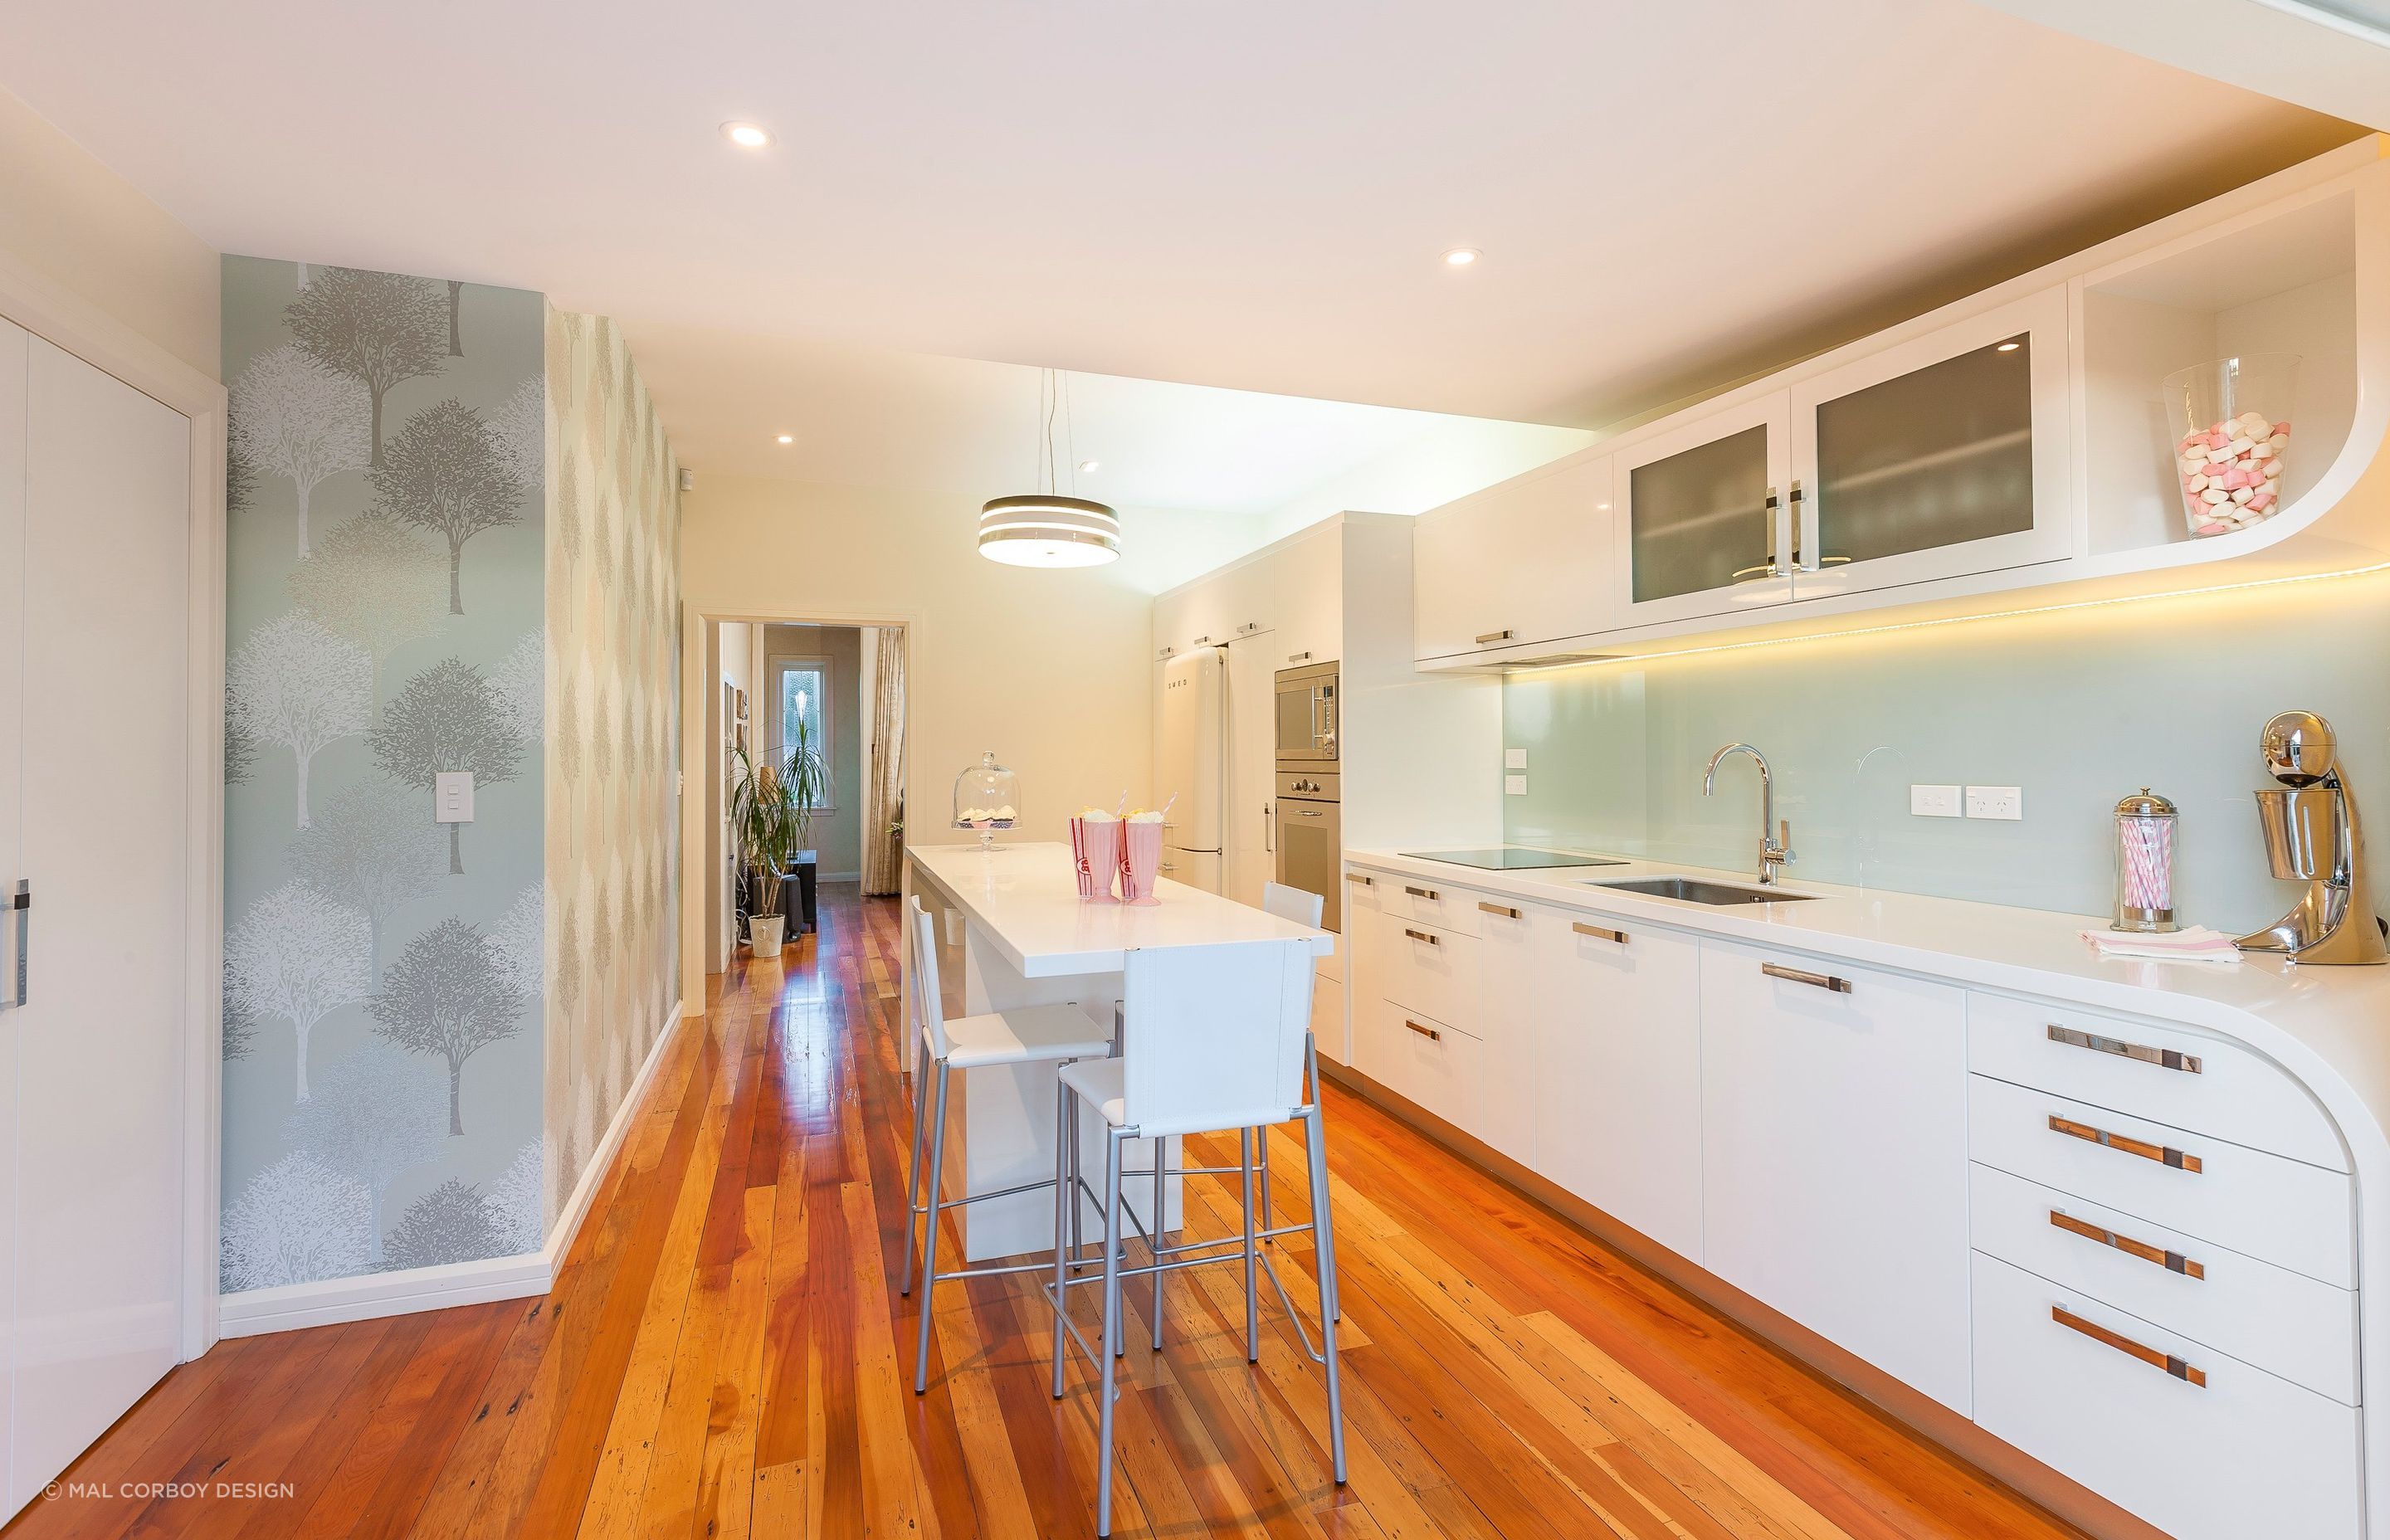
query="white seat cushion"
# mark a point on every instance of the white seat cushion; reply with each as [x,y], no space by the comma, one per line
[1103,1085]
[1030,1034]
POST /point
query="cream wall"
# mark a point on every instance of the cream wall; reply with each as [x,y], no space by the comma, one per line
[1051,670]
[73,221]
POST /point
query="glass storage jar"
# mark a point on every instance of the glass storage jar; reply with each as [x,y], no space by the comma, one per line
[2231,423]
[987,797]
[2145,862]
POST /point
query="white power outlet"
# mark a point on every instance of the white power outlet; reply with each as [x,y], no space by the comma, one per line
[1933,801]
[1514,785]
[1996,801]
[1514,758]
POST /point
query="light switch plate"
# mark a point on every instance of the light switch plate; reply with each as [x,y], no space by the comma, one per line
[1995,801]
[451,797]
[1514,758]
[1933,801]
[1514,785]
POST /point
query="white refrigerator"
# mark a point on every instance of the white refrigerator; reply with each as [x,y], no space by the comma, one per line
[1194,767]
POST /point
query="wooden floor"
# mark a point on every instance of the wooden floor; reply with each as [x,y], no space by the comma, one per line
[725,1353]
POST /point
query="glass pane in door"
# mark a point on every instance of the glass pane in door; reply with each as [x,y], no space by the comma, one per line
[1934,458]
[1700,518]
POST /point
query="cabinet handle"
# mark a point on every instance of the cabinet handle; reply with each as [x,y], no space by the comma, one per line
[1201,641]
[2172,1262]
[1166,651]
[2131,1348]
[1423,936]
[1364,881]
[1429,1033]
[1802,976]
[1599,932]
[2165,1155]
[1796,527]
[21,903]
[1503,909]
[1309,812]
[1298,657]
[2165,1058]
[1428,894]
[1494,637]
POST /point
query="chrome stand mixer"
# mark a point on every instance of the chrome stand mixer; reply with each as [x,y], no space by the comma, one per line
[2312,835]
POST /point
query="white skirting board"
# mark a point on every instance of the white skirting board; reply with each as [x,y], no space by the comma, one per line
[365,1298]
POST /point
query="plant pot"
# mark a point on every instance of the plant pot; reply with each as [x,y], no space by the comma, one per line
[765,933]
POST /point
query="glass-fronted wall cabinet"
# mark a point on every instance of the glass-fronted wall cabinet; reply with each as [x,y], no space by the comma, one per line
[1939,457]
[1701,523]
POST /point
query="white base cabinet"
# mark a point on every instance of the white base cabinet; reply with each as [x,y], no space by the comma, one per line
[1835,1155]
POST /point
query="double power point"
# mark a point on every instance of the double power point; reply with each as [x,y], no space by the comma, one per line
[1972,801]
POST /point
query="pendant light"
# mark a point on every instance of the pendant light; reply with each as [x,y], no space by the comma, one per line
[1048,528]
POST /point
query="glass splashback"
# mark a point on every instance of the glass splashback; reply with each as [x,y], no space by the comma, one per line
[1700,517]
[1937,456]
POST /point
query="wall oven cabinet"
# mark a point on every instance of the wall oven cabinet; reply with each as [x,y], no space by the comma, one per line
[1940,456]
[1701,523]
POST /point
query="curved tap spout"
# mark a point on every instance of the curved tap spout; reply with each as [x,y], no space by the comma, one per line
[1775,838]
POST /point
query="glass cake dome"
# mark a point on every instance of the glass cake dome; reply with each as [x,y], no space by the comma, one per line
[987,797]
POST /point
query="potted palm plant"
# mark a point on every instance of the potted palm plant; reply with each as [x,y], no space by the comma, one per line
[772,812]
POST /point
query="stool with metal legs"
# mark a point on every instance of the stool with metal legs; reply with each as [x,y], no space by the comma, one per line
[1030,1035]
[1213,1041]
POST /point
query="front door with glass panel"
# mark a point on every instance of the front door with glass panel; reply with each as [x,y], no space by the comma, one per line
[1700,527]
[1936,457]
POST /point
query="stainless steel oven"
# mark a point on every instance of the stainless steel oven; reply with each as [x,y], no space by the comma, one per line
[1306,716]
[1311,840]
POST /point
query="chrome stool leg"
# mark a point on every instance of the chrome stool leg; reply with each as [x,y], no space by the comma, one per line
[1066,1203]
[913,1188]
[1113,1334]
[930,1245]
[1252,1294]
[1323,1244]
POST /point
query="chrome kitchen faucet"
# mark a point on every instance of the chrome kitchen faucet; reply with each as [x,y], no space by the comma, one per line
[1774,849]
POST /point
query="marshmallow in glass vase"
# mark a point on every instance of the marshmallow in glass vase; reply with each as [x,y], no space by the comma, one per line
[2233,426]
[987,797]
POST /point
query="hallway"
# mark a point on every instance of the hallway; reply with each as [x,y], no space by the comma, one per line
[725,1353]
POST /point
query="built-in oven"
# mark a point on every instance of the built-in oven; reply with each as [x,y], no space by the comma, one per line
[1310,838]
[1306,715]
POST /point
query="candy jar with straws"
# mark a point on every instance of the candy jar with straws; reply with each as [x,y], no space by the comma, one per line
[2145,862]
[987,797]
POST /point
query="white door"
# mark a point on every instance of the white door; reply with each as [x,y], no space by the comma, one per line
[1252,762]
[1525,561]
[1701,523]
[13,345]
[1307,589]
[1941,457]
[1835,1155]
[98,1046]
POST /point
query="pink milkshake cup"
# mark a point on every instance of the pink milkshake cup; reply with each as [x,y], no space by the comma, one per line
[1096,852]
[1140,857]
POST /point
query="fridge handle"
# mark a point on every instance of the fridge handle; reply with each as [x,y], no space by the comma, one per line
[1269,831]
[20,906]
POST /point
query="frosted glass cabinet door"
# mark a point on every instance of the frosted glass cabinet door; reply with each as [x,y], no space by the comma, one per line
[1702,526]
[1936,457]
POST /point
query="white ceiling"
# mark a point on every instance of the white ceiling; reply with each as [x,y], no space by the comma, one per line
[1238,193]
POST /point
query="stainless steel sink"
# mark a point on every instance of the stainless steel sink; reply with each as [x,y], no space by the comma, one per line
[1692,890]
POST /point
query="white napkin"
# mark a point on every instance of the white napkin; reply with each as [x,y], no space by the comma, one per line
[2193,944]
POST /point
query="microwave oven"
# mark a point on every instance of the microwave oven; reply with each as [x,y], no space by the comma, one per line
[1306,715]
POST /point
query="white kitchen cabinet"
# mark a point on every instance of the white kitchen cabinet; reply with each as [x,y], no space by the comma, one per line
[1524,561]
[1307,580]
[1235,601]
[1835,1155]
[1172,622]
[1251,826]
[1703,528]
[1942,454]
[1511,997]
[1615,1070]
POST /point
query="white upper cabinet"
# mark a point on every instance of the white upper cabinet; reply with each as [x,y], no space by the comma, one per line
[1941,455]
[1308,582]
[1524,561]
[1172,622]
[1703,528]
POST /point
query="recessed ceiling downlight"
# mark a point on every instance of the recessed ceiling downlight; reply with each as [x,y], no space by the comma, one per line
[1088,468]
[1047,529]
[786,438]
[747,135]
[1462,256]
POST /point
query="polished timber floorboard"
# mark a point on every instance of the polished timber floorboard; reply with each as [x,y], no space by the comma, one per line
[725,1353]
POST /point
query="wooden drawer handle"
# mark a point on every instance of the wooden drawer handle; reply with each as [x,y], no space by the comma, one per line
[1599,932]
[2172,1262]
[1364,881]
[1428,894]
[1503,909]
[2125,1345]
[1429,1033]
[2165,1058]
[2165,1155]
[1493,636]
[1803,976]
[1423,936]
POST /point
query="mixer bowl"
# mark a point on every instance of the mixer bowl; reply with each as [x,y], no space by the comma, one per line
[2302,831]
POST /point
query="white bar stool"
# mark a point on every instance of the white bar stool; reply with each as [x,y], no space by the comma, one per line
[1214,1041]
[1034,1034]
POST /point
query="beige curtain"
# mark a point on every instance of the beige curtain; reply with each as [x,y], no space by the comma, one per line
[883,801]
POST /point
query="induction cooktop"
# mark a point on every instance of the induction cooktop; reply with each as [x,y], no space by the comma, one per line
[1512,860]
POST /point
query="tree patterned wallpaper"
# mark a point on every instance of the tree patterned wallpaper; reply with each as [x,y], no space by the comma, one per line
[613,821]
[384,981]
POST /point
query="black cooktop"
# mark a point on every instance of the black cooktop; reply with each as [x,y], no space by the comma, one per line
[1512,860]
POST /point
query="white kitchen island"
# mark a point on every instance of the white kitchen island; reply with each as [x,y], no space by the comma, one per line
[1012,932]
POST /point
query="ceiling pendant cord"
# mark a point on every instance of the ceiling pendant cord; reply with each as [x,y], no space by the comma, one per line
[1049,527]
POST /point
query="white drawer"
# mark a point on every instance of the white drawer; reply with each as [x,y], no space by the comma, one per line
[2244,1456]
[2174,1077]
[1428,970]
[2277,1320]
[1420,1059]
[2279,1211]
[1432,902]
